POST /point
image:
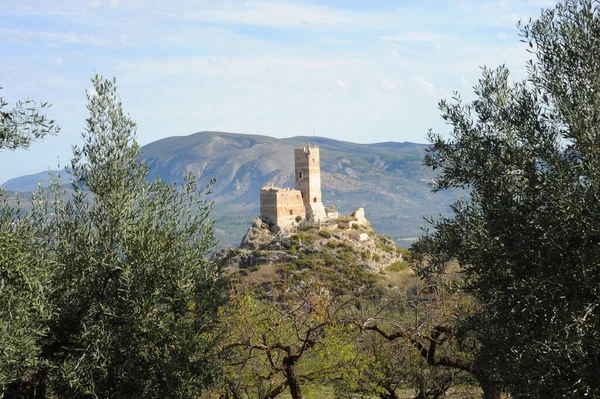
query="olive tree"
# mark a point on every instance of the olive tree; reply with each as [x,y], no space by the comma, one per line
[25,262]
[527,238]
[135,300]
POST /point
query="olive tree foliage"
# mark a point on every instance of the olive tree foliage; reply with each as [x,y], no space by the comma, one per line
[528,238]
[135,297]
[24,123]
[25,269]
[25,263]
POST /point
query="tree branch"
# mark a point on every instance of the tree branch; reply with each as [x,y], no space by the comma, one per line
[427,353]
[277,390]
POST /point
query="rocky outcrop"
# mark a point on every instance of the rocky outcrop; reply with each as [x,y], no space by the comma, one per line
[258,235]
[359,245]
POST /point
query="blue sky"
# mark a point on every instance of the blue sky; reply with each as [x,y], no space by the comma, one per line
[357,70]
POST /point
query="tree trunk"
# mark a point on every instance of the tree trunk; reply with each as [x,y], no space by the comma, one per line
[292,379]
[491,392]
[491,389]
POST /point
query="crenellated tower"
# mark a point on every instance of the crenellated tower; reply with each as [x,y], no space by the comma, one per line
[308,181]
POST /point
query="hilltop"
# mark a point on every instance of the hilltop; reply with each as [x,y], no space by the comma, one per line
[359,245]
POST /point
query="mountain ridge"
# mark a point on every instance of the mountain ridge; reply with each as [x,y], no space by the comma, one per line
[388,179]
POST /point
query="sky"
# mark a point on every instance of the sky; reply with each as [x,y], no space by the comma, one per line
[356,70]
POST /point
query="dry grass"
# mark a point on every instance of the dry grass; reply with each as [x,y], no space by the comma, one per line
[401,279]
[266,273]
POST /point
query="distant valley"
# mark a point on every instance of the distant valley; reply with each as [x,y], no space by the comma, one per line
[388,179]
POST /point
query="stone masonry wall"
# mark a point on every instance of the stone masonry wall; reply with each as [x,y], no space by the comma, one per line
[308,180]
[281,206]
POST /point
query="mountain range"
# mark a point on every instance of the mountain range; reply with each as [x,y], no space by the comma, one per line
[387,179]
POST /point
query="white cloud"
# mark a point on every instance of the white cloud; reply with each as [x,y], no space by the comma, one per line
[277,14]
[429,87]
[340,83]
[59,82]
[514,18]
[391,85]
[25,36]
[68,7]
[414,37]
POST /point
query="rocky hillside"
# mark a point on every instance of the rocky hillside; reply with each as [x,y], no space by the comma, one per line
[388,179]
[310,246]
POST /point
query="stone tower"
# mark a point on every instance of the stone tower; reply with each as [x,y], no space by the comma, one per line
[308,181]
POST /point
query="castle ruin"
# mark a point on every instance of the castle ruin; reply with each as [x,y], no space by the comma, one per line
[283,208]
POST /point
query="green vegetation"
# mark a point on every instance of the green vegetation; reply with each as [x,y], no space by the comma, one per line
[23,124]
[331,244]
[307,237]
[398,266]
[406,254]
[297,333]
[277,308]
[112,295]
[325,233]
[527,238]
[383,245]
[25,261]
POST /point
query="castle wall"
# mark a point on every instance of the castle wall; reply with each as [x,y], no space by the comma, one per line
[308,180]
[281,206]
[359,214]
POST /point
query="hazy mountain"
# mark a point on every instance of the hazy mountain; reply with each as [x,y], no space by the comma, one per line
[30,182]
[388,179]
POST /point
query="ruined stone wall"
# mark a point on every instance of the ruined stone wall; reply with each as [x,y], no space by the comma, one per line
[357,217]
[281,206]
[308,180]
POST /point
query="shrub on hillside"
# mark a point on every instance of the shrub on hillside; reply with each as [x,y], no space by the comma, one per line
[398,266]
[325,233]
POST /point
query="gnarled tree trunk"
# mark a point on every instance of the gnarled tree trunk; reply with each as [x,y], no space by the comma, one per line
[491,389]
[292,378]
